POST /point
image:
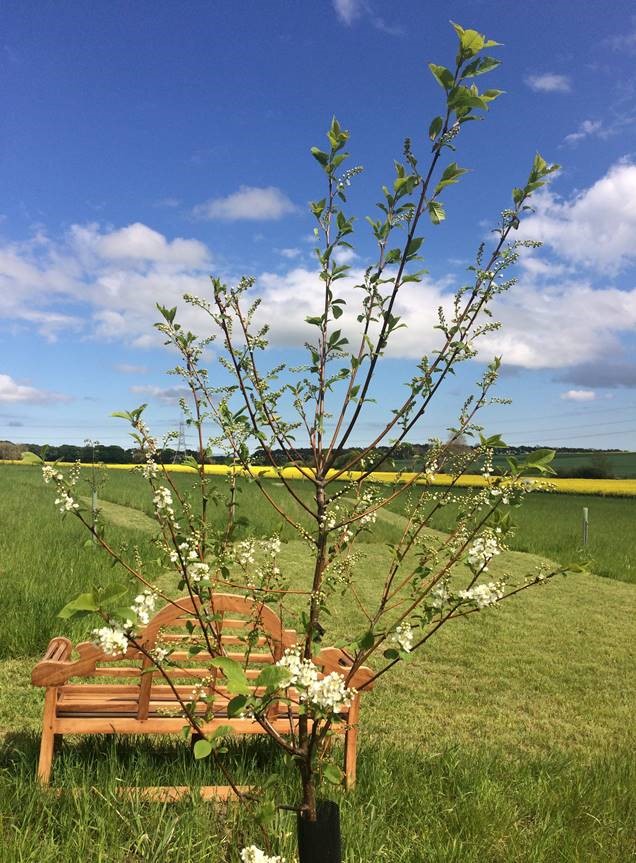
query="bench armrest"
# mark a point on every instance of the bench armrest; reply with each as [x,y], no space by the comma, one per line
[336,659]
[54,668]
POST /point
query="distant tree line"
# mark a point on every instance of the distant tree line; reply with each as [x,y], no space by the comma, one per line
[406,455]
[106,453]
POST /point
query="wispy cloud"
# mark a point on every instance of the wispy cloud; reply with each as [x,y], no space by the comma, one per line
[548,82]
[623,41]
[349,11]
[579,395]
[587,129]
[169,395]
[249,203]
[168,202]
[12,391]
[290,254]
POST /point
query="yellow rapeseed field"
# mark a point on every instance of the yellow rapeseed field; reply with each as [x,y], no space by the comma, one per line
[616,487]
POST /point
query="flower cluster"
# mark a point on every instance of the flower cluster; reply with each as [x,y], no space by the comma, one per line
[162,500]
[481,552]
[438,596]
[150,469]
[245,551]
[160,654]
[431,470]
[483,595]
[198,572]
[49,473]
[328,693]
[402,637]
[65,502]
[252,854]
[113,640]
[186,550]
[143,606]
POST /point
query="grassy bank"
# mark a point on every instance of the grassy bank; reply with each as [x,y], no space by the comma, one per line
[509,740]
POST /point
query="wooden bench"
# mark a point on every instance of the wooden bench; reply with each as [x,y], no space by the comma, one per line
[140,701]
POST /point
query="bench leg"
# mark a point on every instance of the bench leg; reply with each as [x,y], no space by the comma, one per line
[351,744]
[45,763]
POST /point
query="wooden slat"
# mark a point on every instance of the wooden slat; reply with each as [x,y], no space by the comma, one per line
[165,725]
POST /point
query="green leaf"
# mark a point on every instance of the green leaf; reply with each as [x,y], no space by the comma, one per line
[272,677]
[332,773]
[320,156]
[82,604]
[367,641]
[480,66]
[235,706]
[237,682]
[167,314]
[442,75]
[493,442]
[436,212]
[391,653]
[414,246]
[471,43]
[202,748]
[451,175]
[122,415]
[435,128]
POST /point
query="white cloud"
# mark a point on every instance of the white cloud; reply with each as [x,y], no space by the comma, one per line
[587,129]
[596,227]
[548,82]
[11,391]
[249,203]
[348,10]
[290,254]
[557,317]
[138,242]
[169,395]
[579,395]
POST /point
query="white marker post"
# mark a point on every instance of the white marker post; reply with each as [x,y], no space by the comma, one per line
[586,525]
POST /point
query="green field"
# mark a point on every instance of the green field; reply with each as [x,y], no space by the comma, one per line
[509,740]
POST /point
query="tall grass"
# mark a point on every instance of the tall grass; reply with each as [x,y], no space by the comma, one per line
[551,525]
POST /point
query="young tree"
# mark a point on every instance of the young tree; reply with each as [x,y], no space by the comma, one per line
[430,580]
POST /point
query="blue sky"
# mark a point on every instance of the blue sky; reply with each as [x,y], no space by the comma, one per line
[147,145]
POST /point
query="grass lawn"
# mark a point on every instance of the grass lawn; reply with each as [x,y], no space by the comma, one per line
[509,739]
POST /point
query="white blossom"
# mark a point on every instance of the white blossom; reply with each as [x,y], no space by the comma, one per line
[143,606]
[402,637]
[162,500]
[160,654]
[327,693]
[483,549]
[252,854]
[112,639]
[483,595]
[198,572]
[49,473]
[65,502]
[438,596]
